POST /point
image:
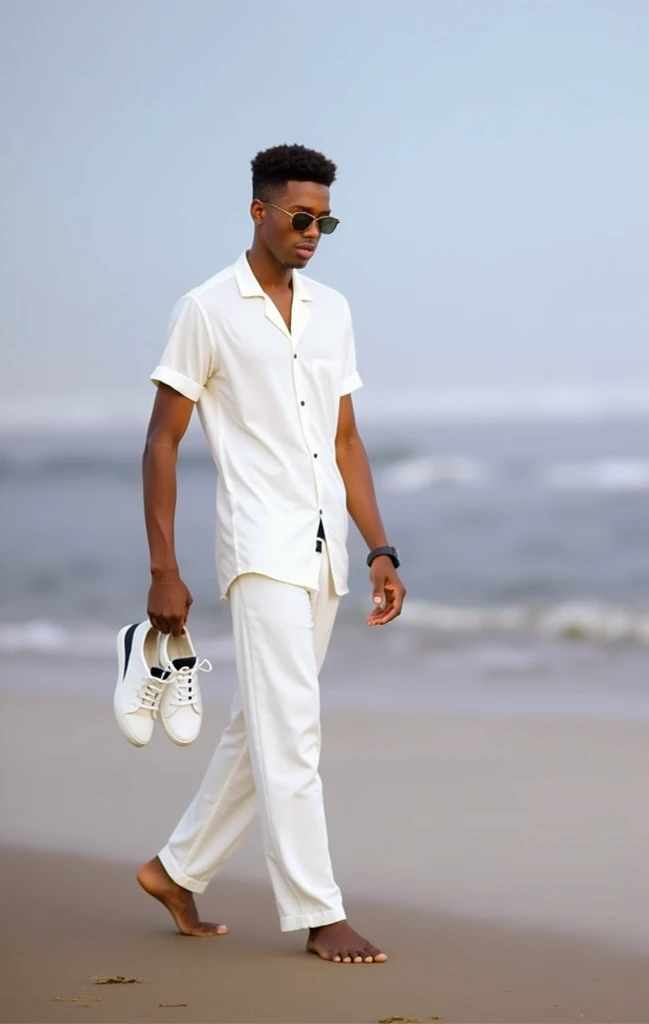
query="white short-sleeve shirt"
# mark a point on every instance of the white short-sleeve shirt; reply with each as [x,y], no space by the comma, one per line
[268,400]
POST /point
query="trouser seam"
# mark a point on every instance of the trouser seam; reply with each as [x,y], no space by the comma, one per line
[253,723]
[215,807]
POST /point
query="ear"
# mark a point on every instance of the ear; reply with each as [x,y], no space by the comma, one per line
[258,211]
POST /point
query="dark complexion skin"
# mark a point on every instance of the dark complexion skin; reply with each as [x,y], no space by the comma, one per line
[276,251]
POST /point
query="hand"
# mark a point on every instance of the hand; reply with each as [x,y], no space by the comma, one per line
[168,603]
[388,591]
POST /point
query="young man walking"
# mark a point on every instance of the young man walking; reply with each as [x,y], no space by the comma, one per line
[268,357]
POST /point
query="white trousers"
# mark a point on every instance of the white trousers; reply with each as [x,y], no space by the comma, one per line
[268,756]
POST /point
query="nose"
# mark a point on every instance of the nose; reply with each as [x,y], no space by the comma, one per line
[313,231]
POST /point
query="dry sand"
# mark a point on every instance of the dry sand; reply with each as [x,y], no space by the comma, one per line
[501,863]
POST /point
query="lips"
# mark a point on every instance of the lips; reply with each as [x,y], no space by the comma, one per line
[305,250]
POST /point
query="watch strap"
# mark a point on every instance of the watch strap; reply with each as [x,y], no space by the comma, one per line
[391,552]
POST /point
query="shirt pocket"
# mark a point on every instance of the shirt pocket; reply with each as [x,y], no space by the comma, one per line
[327,379]
[327,371]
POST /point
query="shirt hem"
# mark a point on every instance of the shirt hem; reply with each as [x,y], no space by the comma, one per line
[350,384]
[290,581]
[184,385]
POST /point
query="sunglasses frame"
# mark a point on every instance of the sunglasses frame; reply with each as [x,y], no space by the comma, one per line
[304,213]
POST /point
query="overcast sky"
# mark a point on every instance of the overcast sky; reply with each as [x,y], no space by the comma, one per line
[493,169]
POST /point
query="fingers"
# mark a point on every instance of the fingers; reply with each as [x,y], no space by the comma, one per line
[158,622]
[384,616]
[378,589]
[394,598]
[168,606]
[186,615]
[173,624]
[178,624]
[388,617]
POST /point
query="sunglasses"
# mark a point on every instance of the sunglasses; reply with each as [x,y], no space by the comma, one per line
[302,220]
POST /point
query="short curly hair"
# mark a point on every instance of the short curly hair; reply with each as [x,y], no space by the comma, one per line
[273,168]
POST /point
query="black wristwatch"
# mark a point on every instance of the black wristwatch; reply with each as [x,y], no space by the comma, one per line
[390,552]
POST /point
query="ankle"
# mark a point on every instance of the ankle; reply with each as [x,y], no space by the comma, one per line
[323,927]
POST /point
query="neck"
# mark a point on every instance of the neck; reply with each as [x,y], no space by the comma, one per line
[268,271]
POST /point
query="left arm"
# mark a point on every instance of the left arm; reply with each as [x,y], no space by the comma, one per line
[354,466]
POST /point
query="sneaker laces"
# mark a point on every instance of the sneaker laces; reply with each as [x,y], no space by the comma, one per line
[184,683]
[151,692]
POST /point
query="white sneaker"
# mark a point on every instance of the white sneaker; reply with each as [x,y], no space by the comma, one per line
[181,707]
[140,682]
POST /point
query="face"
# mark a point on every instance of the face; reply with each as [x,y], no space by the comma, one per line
[292,249]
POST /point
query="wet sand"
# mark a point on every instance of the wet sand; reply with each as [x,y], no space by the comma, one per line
[500,861]
[71,919]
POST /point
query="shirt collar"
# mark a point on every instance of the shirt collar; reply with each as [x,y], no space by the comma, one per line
[250,288]
[300,289]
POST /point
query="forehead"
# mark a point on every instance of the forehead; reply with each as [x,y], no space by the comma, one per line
[306,195]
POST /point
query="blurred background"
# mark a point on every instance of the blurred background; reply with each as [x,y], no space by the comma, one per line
[493,165]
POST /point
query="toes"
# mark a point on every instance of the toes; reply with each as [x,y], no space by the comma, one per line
[360,956]
[350,956]
[205,928]
[373,955]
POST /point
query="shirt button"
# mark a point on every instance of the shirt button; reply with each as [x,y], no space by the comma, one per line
[302,403]
[315,455]
[295,355]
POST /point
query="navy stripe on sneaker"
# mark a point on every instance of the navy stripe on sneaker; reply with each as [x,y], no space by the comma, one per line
[128,645]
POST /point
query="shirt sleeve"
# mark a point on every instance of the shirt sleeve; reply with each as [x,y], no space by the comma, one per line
[189,359]
[351,380]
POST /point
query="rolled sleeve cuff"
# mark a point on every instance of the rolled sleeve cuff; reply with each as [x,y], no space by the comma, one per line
[350,384]
[187,387]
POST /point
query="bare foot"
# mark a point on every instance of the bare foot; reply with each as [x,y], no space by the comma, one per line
[340,943]
[179,902]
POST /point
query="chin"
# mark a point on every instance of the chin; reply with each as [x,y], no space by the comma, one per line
[295,263]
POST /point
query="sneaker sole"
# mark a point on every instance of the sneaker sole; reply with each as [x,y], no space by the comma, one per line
[181,743]
[122,720]
[174,739]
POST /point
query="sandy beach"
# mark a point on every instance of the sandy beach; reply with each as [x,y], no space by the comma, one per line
[499,860]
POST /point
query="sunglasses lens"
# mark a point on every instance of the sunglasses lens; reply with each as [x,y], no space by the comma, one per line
[328,225]
[302,221]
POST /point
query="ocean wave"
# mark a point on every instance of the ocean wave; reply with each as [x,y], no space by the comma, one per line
[516,402]
[575,620]
[42,636]
[585,620]
[598,475]
[621,401]
[416,473]
[44,465]
[402,471]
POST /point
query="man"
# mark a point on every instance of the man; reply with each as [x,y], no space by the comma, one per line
[268,355]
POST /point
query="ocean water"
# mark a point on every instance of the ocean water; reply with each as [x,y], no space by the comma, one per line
[504,528]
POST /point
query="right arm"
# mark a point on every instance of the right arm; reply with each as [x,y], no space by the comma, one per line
[169,599]
[187,363]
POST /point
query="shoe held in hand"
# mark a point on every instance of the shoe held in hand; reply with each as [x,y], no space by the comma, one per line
[181,706]
[140,682]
